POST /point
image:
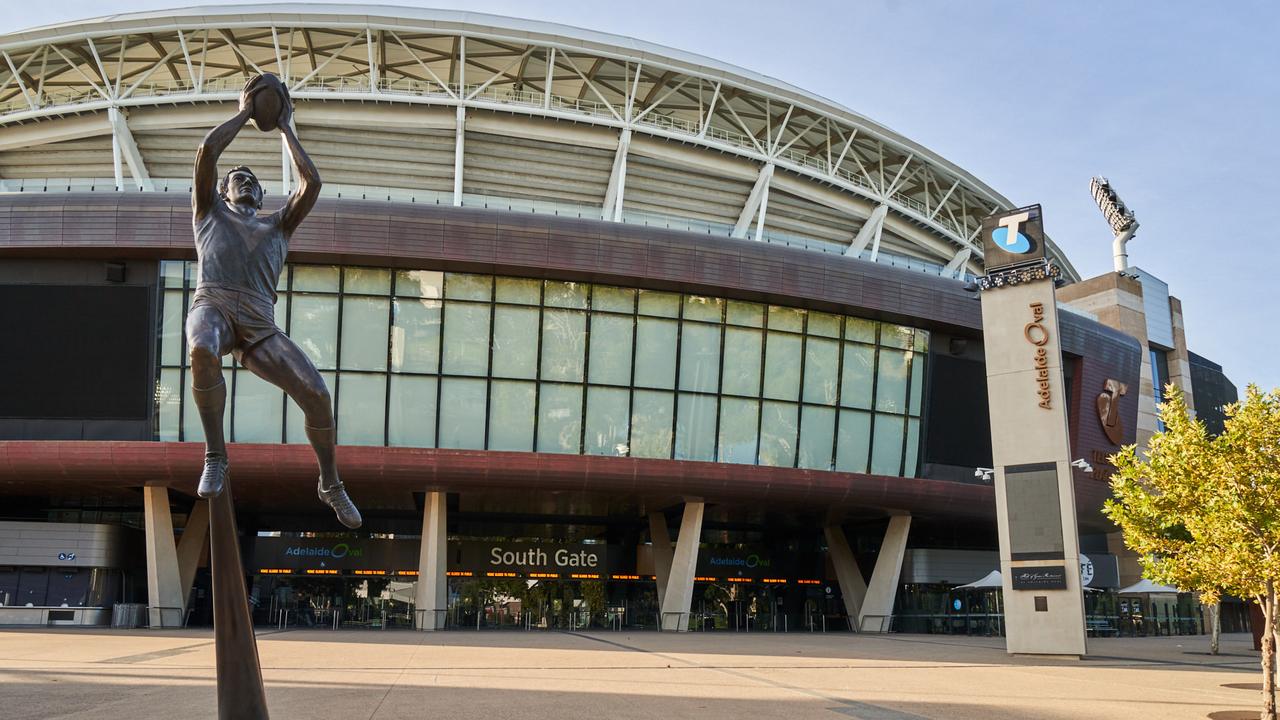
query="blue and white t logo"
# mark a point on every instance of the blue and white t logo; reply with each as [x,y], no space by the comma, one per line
[1006,236]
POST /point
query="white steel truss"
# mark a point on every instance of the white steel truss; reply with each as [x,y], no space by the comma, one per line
[414,58]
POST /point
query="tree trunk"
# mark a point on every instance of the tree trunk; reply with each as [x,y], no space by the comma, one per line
[1269,653]
[1215,618]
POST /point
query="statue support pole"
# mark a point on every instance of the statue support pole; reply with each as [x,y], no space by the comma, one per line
[240,692]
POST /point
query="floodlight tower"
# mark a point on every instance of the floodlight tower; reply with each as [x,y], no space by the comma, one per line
[1121,218]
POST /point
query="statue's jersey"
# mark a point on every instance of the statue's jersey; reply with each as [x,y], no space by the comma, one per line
[238,252]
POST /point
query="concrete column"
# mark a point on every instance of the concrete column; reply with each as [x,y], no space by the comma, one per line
[459,138]
[877,607]
[853,589]
[195,538]
[432,596]
[662,553]
[164,592]
[679,593]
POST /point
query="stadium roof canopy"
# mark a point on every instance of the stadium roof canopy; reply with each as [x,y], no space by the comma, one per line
[472,109]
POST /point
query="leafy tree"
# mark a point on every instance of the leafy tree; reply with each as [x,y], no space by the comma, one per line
[1203,513]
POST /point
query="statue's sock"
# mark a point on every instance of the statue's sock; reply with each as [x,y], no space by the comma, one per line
[322,441]
[211,402]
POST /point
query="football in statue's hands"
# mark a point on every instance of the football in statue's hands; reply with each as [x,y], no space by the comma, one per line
[269,96]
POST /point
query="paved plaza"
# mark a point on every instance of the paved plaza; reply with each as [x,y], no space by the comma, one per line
[313,674]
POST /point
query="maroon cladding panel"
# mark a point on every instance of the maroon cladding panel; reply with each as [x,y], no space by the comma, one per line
[158,225]
[382,478]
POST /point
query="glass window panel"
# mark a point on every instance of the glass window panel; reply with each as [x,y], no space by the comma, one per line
[917,381]
[515,342]
[564,340]
[466,340]
[696,427]
[518,291]
[192,430]
[896,336]
[817,436]
[821,362]
[860,330]
[610,361]
[366,281]
[613,299]
[364,333]
[785,318]
[559,418]
[362,401]
[745,313]
[462,409]
[742,362]
[190,271]
[282,284]
[921,342]
[706,309]
[607,420]
[168,401]
[282,310]
[891,381]
[655,353]
[314,327]
[459,286]
[857,375]
[412,415]
[566,294]
[171,329]
[415,336]
[651,424]
[511,415]
[662,304]
[294,422]
[739,421]
[886,455]
[778,426]
[824,324]
[259,409]
[853,441]
[782,366]
[315,278]
[700,357]
[913,448]
[171,273]
[420,284]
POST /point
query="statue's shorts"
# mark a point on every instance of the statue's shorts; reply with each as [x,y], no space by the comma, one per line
[250,316]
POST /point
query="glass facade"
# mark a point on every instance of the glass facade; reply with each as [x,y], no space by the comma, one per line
[432,359]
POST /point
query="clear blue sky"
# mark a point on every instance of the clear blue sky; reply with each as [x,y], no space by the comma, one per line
[1178,103]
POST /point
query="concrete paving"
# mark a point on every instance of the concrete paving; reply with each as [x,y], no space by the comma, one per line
[317,674]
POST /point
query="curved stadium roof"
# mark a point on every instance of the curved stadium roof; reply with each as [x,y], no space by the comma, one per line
[472,109]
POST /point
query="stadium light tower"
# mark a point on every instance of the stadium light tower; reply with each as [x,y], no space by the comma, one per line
[1121,218]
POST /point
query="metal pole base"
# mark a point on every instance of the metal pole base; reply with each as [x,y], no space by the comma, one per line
[240,692]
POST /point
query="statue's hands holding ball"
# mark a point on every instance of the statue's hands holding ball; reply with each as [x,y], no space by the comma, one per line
[267,102]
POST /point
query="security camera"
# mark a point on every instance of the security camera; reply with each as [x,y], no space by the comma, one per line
[1082,464]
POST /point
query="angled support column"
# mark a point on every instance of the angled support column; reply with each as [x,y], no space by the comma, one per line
[756,201]
[956,266]
[459,137]
[877,608]
[679,594]
[612,208]
[123,146]
[431,600]
[164,594]
[195,538]
[853,589]
[662,553]
[869,234]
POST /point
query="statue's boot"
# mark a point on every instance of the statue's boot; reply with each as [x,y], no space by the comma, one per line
[329,487]
[211,402]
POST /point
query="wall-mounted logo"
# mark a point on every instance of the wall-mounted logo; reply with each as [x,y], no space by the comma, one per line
[1013,239]
[65,556]
[1109,410]
[1086,570]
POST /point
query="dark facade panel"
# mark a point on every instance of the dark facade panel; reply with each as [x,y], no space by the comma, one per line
[1211,389]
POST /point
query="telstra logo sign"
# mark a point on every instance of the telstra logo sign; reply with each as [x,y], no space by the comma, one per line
[1006,235]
